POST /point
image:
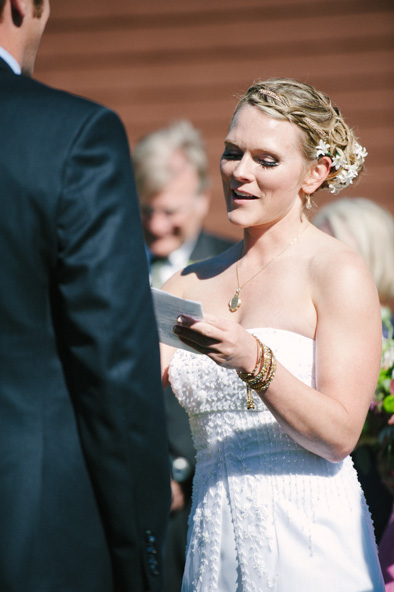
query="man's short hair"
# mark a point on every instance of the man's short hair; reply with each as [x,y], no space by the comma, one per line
[153,153]
[38,6]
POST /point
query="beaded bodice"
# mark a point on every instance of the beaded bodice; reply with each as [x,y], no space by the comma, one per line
[215,397]
[258,497]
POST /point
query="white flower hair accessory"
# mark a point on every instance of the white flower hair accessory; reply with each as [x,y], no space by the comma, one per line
[322,149]
[349,171]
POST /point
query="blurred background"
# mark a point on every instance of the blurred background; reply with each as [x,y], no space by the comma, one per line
[156,61]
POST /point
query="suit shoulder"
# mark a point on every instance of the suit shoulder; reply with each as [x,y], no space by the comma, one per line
[48,101]
[51,116]
[75,102]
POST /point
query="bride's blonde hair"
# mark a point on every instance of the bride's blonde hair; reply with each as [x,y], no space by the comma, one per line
[313,112]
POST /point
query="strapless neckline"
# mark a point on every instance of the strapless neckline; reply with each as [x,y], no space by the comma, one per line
[194,377]
[274,329]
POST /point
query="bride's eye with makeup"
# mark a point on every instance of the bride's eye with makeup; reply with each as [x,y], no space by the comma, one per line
[229,154]
[267,162]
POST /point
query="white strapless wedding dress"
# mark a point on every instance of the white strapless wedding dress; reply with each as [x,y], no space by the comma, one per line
[267,514]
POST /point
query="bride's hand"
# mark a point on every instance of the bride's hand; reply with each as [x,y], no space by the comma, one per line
[224,341]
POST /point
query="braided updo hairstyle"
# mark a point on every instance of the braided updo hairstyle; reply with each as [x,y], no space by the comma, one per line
[325,131]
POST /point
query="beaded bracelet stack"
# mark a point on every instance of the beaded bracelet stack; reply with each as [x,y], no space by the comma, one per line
[265,368]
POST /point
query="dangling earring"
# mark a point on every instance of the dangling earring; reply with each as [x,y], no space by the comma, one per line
[308,202]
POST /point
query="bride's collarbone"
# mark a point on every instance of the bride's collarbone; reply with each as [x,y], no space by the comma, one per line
[269,294]
[260,308]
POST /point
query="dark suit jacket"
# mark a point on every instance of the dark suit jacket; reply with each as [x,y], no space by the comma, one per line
[82,425]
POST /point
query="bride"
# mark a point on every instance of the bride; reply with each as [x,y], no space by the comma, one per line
[291,339]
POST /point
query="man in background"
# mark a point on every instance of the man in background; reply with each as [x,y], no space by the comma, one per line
[84,483]
[171,172]
[172,180]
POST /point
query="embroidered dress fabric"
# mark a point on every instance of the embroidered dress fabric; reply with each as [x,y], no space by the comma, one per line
[267,514]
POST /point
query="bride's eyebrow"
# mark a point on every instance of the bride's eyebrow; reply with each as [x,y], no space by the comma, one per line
[229,144]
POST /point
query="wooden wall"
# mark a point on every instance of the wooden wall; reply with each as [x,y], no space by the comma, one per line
[157,60]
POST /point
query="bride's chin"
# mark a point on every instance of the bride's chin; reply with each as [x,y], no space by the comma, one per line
[238,219]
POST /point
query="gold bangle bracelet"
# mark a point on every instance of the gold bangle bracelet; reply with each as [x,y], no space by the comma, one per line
[270,377]
[264,370]
[266,366]
[247,375]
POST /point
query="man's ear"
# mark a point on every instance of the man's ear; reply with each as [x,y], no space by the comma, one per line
[317,174]
[18,11]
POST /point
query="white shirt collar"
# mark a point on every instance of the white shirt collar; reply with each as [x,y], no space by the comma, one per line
[176,261]
[13,64]
[181,256]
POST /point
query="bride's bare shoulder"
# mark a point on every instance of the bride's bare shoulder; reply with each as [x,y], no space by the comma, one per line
[325,250]
[335,267]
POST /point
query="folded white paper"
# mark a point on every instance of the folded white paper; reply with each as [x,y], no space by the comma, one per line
[167,309]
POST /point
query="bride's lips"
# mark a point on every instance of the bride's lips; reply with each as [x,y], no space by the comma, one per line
[241,195]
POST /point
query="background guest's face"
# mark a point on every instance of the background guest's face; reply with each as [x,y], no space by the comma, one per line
[175,214]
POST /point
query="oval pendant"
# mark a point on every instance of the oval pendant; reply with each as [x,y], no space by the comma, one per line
[235,302]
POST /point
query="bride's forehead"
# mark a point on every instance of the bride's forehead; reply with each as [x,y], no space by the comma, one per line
[251,126]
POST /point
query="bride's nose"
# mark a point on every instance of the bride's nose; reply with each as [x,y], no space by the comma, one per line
[244,169]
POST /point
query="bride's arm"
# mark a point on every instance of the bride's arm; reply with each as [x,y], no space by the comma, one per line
[328,419]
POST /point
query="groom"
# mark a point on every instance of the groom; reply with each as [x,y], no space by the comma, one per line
[83,449]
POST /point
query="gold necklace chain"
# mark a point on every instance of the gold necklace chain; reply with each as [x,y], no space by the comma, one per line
[235,302]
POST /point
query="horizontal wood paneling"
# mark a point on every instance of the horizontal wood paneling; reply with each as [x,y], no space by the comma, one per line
[225,41]
[154,61]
